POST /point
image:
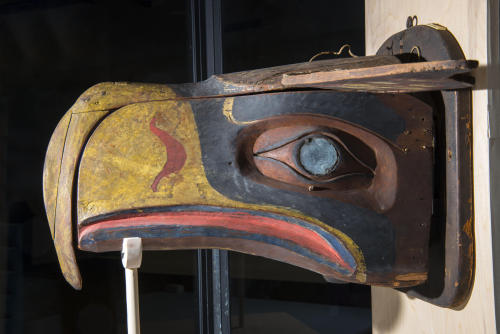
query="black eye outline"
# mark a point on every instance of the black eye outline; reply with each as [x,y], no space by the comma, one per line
[287,156]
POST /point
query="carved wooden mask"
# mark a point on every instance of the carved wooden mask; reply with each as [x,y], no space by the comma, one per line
[328,165]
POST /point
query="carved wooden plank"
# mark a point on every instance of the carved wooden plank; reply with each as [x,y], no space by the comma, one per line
[399,78]
[363,74]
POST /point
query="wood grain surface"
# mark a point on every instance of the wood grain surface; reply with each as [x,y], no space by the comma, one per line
[394,312]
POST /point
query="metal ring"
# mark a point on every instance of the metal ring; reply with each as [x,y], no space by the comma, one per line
[415,48]
[410,20]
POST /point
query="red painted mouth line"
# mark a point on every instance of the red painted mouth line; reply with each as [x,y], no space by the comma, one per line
[234,221]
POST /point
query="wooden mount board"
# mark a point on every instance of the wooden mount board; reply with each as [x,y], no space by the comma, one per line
[451,266]
[469,21]
[376,74]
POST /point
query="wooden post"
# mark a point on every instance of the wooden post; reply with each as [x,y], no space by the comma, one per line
[131,260]
[468,20]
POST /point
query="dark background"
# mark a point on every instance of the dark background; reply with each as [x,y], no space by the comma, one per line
[50,52]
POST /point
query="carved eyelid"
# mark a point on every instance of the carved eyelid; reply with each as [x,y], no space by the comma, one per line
[283,142]
[372,156]
[297,167]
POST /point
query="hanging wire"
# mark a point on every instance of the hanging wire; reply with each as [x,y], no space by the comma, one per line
[335,53]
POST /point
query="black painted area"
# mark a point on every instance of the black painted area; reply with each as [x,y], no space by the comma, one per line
[371,231]
[361,109]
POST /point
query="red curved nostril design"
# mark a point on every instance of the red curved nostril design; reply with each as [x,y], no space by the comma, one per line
[176,154]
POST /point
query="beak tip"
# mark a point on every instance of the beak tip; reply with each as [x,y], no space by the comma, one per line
[67,262]
[74,279]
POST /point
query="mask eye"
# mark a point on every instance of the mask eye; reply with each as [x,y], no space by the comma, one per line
[317,160]
[318,156]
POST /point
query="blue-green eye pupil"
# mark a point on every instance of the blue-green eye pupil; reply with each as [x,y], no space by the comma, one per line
[318,155]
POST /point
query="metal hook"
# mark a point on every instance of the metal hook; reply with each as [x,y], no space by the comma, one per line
[335,53]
